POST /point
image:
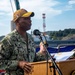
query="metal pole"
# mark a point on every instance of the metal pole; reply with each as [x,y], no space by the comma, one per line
[17,4]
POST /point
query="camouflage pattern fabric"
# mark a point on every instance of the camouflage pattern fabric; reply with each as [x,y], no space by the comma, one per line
[13,49]
[41,57]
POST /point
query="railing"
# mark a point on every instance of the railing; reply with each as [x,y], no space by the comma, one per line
[59,48]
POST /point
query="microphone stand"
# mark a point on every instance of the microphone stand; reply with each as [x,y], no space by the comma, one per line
[54,65]
[46,53]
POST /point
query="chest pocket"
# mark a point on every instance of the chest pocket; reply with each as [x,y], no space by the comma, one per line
[19,51]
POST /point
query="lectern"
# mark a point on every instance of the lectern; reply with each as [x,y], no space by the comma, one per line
[40,68]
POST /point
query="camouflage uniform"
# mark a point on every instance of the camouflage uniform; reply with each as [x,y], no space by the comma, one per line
[41,57]
[12,50]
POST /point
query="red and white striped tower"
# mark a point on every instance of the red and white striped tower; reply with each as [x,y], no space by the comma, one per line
[44,25]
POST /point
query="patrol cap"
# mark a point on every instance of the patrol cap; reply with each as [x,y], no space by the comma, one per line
[22,13]
[44,42]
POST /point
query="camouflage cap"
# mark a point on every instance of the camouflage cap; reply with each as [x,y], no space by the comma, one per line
[44,43]
[22,13]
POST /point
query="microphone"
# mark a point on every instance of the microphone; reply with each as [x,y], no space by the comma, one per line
[36,32]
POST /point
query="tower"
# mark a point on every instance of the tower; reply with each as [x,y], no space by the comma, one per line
[44,26]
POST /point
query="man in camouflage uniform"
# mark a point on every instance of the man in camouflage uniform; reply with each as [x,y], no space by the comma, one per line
[17,48]
[42,52]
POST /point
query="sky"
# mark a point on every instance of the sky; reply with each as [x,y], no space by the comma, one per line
[59,14]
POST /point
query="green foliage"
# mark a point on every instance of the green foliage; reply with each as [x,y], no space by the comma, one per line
[58,35]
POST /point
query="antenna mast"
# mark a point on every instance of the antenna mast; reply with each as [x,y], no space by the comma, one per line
[44,25]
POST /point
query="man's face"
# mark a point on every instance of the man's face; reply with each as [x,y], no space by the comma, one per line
[25,23]
[42,48]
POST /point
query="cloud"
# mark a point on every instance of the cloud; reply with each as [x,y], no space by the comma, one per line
[5,8]
[70,5]
[5,5]
[38,6]
[71,2]
[2,25]
[41,6]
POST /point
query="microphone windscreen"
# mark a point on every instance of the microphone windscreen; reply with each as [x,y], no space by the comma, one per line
[36,32]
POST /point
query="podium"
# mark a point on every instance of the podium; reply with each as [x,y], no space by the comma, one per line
[40,68]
